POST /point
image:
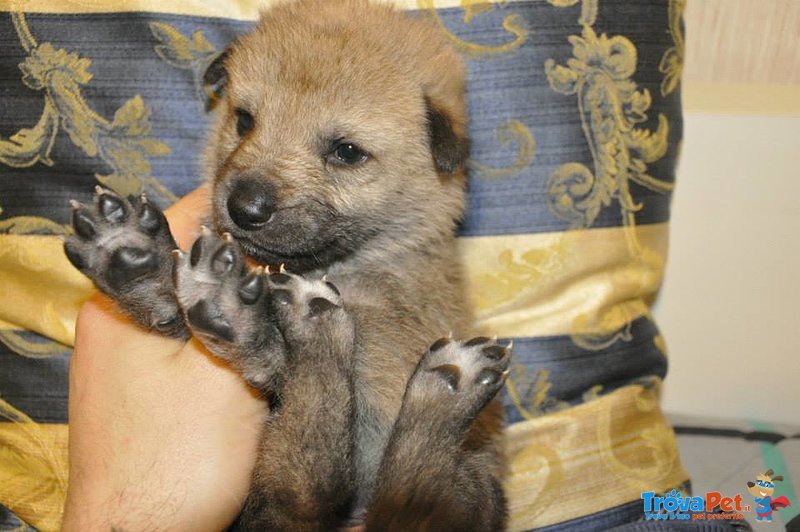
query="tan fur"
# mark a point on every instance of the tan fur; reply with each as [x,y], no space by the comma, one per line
[370,423]
[317,69]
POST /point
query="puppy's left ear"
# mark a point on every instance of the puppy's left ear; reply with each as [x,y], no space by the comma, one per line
[215,79]
[449,143]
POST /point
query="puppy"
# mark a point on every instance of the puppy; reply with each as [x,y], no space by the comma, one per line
[338,152]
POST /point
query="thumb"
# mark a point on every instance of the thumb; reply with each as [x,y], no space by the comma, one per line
[187,214]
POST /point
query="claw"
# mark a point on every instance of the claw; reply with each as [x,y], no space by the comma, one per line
[282,269]
[510,345]
[227,237]
[75,204]
[205,231]
[177,253]
[143,198]
[325,278]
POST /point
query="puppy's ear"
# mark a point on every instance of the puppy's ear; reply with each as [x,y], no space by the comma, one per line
[215,79]
[450,149]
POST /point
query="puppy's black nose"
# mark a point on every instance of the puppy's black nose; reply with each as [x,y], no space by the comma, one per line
[251,203]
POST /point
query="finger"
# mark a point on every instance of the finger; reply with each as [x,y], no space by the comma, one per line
[187,215]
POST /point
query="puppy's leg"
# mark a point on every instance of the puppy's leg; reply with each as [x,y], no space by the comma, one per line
[291,336]
[433,477]
[304,479]
[125,250]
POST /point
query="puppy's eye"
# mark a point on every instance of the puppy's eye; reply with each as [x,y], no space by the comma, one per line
[348,153]
[244,122]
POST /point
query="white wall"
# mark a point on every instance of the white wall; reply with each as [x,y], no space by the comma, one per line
[730,305]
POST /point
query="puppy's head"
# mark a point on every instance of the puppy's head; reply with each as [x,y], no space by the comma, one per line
[340,126]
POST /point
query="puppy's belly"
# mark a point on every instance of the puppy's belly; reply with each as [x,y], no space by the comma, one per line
[379,396]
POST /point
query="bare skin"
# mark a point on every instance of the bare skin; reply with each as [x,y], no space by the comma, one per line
[141,458]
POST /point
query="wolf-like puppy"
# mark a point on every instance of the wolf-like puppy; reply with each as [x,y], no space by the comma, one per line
[338,151]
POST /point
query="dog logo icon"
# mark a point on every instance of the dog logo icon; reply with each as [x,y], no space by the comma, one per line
[762,490]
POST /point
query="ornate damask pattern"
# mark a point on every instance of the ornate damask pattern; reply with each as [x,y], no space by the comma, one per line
[571,176]
[123,143]
[610,107]
[672,63]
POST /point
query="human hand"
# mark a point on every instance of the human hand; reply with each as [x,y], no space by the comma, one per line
[162,435]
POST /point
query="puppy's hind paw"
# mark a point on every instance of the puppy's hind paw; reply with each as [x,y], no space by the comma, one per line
[460,377]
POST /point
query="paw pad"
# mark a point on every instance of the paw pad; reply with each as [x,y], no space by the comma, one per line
[130,263]
[204,318]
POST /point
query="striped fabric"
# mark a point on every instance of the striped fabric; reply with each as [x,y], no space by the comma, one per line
[576,127]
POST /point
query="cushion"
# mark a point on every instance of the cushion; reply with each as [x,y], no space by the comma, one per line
[576,129]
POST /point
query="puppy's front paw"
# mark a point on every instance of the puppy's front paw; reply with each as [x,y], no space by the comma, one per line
[228,307]
[458,379]
[256,319]
[125,250]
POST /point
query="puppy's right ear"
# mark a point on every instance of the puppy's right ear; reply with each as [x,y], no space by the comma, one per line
[215,79]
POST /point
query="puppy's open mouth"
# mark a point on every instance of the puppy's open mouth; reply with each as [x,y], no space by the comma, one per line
[299,261]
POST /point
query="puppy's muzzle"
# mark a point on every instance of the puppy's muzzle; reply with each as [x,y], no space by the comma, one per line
[251,203]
